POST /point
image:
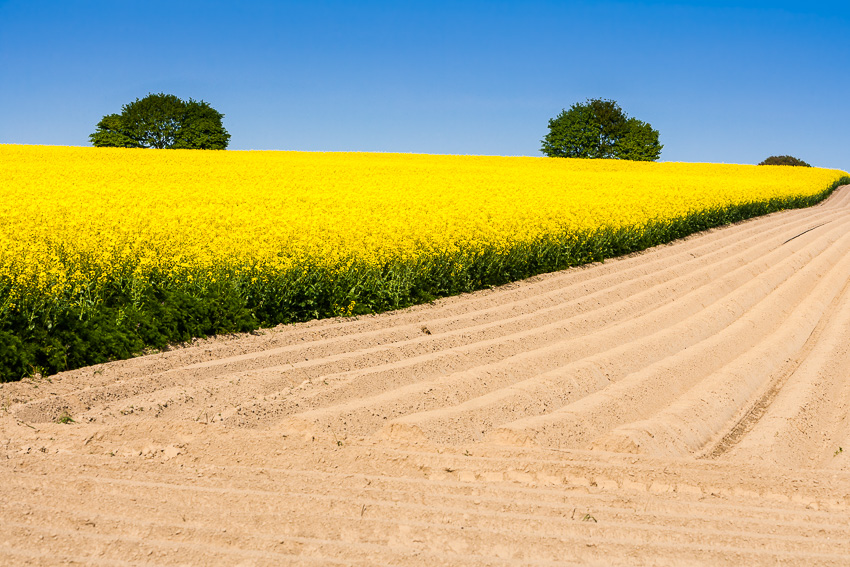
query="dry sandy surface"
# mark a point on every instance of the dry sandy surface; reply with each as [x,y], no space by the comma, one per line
[684,406]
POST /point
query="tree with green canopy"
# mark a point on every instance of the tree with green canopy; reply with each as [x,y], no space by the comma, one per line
[599,128]
[784,160]
[163,121]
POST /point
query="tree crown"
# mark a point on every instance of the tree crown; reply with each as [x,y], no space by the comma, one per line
[163,121]
[599,128]
[784,160]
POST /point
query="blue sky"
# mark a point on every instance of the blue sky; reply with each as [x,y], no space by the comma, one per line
[722,81]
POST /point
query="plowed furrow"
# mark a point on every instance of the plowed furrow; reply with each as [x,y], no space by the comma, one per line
[527,484]
[383,522]
[690,422]
[151,550]
[666,381]
[800,422]
[682,322]
[527,510]
[378,519]
[689,405]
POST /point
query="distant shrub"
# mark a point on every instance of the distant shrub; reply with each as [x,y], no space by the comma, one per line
[784,160]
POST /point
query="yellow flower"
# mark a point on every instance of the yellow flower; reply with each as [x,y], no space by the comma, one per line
[74,218]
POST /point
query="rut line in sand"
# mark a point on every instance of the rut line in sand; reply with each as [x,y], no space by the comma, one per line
[531,499]
[551,544]
[806,419]
[804,232]
[761,404]
[569,528]
[169,545]
[53,558]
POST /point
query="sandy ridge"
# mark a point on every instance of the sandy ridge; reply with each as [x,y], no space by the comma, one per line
[686,405]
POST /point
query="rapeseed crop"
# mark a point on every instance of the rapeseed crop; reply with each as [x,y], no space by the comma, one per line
[105,252]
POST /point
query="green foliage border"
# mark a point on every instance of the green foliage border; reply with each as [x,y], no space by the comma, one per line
[130,320]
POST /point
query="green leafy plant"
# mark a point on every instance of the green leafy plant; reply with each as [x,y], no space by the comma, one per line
[599,128]
[784,160]
[65,418]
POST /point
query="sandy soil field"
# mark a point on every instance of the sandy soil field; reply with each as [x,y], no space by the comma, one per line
[685,406]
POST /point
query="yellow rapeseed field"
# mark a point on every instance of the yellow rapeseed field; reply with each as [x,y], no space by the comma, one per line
[76,222]
[69,213]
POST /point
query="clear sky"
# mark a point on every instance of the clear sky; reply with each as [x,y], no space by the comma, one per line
[722,81]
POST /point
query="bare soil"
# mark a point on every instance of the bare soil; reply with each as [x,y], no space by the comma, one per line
[689,405]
